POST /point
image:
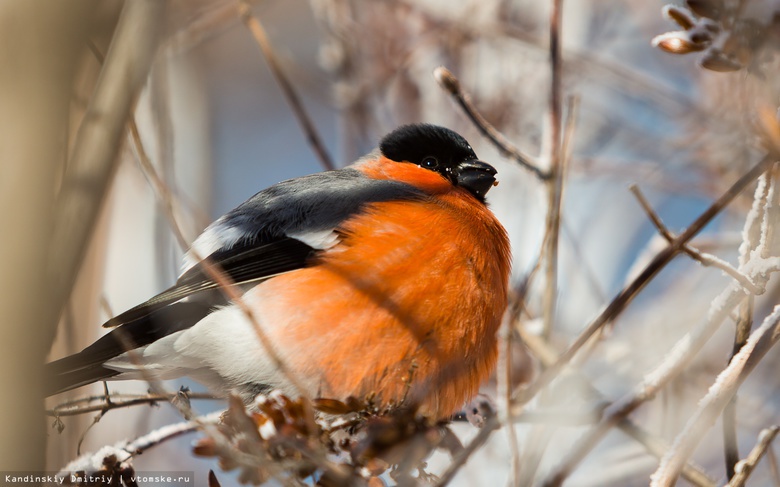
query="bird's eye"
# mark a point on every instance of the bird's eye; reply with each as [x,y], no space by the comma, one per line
[429,162]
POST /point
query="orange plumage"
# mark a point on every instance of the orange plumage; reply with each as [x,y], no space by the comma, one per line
[416,290]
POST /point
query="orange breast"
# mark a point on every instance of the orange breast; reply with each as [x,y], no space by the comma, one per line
[406,308]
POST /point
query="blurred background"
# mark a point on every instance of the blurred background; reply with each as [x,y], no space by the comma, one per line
[217,127]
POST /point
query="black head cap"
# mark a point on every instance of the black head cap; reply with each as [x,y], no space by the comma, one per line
[441,150]
[413,143]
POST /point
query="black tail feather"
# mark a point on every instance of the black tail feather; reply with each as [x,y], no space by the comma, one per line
[60,380]
[87,367]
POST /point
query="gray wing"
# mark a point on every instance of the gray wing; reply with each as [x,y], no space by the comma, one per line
[275,231]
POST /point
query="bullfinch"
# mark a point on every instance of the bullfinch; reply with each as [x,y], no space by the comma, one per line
[386,279]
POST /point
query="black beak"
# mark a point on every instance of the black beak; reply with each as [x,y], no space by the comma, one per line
[476,176]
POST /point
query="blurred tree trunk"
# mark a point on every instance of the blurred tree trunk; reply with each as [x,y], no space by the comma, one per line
[48,207]
[41,44]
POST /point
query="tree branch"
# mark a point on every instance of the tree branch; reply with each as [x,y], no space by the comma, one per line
[118,401]
[701,257]
[312,136]
[746,466]
[451,85]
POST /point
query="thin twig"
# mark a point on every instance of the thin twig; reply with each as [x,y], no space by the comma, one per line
[161,189]
[729,419]
[118,401]
[584,264]
[450,83]
[504,380]
[541,436]
[697,255]
[618,304]
[312,136]
[163,126]
[573,418]
[158,185]
[228,287]
[554,183]
[83,435]
[459,460]
[774,469]
[746,466]
[207,22]
[537,442]
[558,171]
[658,447]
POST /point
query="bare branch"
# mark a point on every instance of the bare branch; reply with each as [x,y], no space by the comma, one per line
[161,189]
[228,287]
[557,172]
[701,257]
[459,460]
[504,380]
[118,401]
[451,85]
[554,182]
[773,467]
[312,136]
[729,421]
[746,466]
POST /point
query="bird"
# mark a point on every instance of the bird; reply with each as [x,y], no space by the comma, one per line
[386,279]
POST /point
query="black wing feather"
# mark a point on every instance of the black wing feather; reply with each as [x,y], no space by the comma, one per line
[244,262]
[86,366]
[310,203]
